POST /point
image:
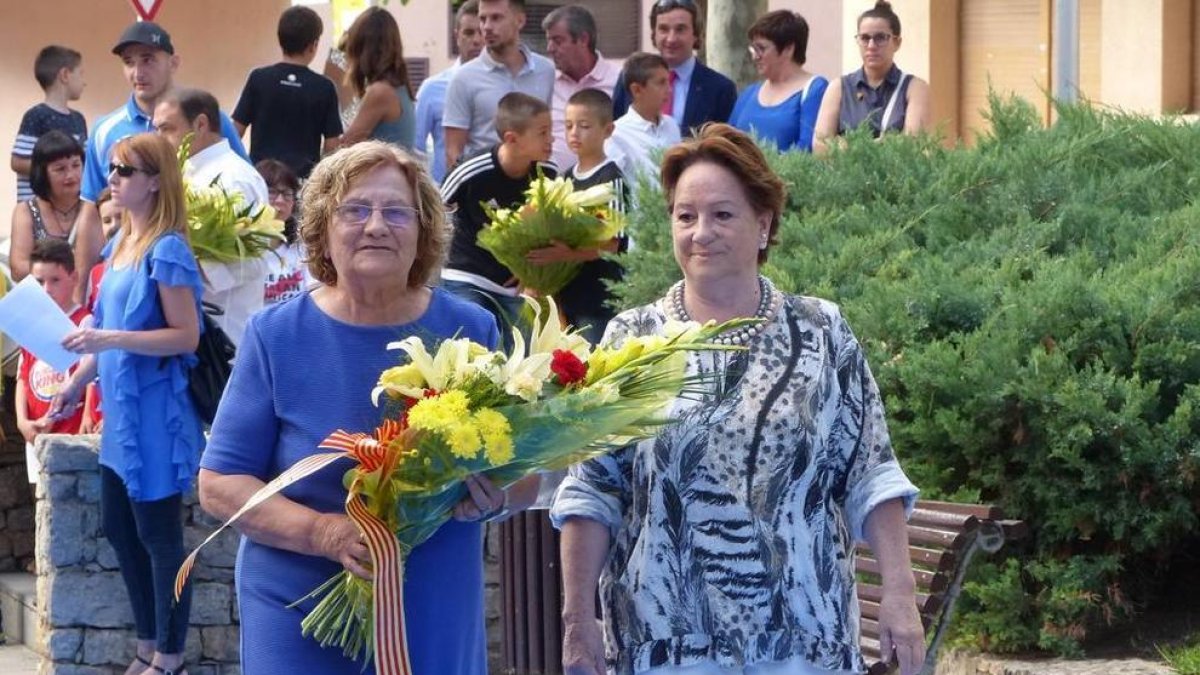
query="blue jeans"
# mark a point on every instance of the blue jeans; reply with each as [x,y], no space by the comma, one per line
[505,308]
[148,540]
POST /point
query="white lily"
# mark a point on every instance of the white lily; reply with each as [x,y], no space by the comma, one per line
[521,374]
[597,195]
[549,335]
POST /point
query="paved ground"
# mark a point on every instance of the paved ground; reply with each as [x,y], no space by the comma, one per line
[17,660]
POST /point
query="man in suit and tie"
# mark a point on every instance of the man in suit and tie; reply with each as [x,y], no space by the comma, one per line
[699,93]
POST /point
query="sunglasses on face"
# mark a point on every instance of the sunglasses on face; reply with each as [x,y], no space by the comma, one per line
[395,217]
[126,170]
[880,39]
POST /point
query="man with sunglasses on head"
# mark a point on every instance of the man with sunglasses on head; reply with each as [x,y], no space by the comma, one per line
[149,62]
[699,94]
[237,288]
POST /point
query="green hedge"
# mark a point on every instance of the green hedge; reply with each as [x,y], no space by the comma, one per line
[1031,310]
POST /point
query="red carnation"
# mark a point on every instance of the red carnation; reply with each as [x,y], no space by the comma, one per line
[567,367]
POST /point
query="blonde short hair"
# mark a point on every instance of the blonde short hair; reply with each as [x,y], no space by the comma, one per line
[332,179]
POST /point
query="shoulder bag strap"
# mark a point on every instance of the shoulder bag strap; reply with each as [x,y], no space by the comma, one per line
[891,106]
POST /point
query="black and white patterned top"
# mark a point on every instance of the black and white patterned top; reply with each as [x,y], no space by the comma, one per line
[734,529]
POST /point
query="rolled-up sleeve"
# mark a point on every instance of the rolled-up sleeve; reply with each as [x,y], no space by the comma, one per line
[596,489]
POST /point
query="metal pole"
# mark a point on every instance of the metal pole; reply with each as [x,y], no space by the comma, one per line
[1066,50]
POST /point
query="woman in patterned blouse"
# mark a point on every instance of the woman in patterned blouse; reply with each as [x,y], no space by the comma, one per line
[725,545]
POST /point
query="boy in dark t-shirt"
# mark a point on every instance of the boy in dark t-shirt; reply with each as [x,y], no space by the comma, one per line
[59,71]
[585,301]
[498,177]
[288,107]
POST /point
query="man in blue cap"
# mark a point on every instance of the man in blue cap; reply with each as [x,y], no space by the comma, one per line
[149,61]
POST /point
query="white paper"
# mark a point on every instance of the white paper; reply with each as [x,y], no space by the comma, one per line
[33,320]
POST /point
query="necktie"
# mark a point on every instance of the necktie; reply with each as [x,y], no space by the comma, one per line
[669,107]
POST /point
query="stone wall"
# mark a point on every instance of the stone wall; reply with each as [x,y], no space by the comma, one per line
[86,623]
[16,498]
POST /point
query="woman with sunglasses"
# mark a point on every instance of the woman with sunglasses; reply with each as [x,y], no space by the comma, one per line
[147,326]
[782,109]
[55,171]
[878,95]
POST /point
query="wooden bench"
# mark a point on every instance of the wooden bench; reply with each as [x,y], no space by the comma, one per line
[942,538]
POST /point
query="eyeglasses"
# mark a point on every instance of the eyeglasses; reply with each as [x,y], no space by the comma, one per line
[127,170]
[757,50]
[289,195]
[880,39]
[395,217]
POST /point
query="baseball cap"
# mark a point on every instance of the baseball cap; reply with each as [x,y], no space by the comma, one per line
[145,33]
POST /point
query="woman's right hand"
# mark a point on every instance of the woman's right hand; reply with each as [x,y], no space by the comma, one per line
[66,401]
[583,647]
[336,537]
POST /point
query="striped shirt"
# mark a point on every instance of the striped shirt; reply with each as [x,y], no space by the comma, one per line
[472,183]
[38,120]
[129,120]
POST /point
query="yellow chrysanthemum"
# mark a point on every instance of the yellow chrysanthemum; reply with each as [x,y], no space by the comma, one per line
[497,436]
[463,439]
[440,412]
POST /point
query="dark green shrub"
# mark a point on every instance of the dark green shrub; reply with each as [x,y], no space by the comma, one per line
[1031,309]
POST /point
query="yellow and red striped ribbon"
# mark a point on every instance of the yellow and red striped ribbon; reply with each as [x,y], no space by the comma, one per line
[371,453]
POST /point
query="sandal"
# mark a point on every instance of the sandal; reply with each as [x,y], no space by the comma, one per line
[181,670]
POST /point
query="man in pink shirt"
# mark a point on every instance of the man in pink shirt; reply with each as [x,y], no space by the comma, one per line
[571,43]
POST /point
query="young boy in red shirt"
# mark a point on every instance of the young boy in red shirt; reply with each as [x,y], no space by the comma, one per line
[52,264]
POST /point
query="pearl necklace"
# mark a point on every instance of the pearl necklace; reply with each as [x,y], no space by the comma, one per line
[768,305]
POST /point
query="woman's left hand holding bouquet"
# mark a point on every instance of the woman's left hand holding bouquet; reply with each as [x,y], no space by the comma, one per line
[487,501]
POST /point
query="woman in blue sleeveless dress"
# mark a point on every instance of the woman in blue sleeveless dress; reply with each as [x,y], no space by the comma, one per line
[147,325]
[379,76]
[878,95]
[782,108]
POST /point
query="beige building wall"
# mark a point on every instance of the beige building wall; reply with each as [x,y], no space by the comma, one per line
[218,41]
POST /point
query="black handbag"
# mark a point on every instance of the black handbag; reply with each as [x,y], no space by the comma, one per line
[215,352]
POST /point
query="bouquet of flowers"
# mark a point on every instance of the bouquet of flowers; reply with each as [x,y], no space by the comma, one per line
[222,227]
[550,403]
[553,211]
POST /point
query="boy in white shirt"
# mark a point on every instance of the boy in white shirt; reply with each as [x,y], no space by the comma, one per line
[644,129]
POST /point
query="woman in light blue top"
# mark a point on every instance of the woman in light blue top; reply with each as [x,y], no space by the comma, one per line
[783,107]
[147,326]
[379,76]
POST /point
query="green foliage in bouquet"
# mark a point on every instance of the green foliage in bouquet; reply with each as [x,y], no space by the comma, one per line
[1031,310]
[222,227]
[553,211]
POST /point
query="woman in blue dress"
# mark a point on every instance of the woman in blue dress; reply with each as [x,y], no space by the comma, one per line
[147,325]
[374,228]
[782,108]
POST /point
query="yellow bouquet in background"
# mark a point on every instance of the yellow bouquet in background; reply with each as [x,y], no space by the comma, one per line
[553,211]
[463,409]
[222,227]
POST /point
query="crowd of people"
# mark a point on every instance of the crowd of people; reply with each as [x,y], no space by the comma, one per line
[724,545]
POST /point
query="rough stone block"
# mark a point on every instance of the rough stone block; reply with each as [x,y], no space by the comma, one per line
[192,647]
[106,557]
[220,552]
[57,486]
[211,604]
[222,575]
[64,454]
[63,644]
[75,669]
[79,599]
[108,647]
[61,531]
[21,519]
[220,643]
[14,486]
[88,488]
[231,669]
